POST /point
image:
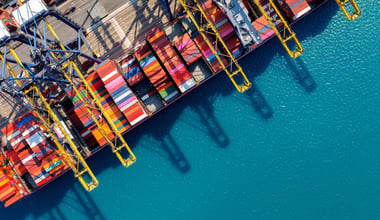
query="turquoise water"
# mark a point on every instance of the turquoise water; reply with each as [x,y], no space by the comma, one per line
[317,157]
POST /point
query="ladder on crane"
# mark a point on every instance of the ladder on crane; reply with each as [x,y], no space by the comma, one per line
[205,26]
[288,33]
[49,120]
[355,14]
[119,143]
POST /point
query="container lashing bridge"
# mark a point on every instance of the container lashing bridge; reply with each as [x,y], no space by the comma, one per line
[65,59]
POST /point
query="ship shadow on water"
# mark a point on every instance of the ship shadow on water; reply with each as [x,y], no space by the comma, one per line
[155,135]
[48,202]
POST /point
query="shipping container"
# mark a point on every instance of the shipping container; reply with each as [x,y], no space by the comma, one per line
[294,8]
[121,94]
[156,74]
[101,93]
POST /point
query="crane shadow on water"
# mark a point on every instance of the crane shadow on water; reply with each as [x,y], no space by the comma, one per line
[255,66]
[48,201]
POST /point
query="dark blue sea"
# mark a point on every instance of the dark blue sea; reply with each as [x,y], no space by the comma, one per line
[313,154]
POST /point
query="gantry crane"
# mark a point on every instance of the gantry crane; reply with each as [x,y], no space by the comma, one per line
[288,33]
[350,16]
[64,59]
[207,29]
[27,83]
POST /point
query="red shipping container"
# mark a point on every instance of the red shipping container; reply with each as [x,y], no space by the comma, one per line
[42,150]
[6,184]
[134,112]
[9,129]
[57,170]
[20,168]
[12,155]
[187,48]
[233,43]
[263,27]
[45,180]
[166,53]
[2,177]
[49,159]
[158,78]
[153,34]
[161,81]
[7,193]
[173,64]
[13,199]
[19,144]
[35,170]
[181,76]
[142,52]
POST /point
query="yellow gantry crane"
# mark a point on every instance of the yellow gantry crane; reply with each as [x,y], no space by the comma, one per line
[49,120]
[90,102]
[119,143]
[205,26]
[355,14]
[288,33]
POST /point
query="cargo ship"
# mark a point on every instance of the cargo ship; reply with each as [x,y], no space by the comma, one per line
[99,105]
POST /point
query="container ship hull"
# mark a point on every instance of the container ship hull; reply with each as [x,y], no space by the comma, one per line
[174,61]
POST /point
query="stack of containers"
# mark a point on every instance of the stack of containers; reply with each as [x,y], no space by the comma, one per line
[156,74]
[38,148]
[15,160]
[263,28]
[208,54]
[81,119]
[141,86]
[131,71]
[223,27]
[36,152]
[101,94]
[35,138]
[260,24]
[121,94]
[187,49]
[15,137]
[171,61]
[11,188]
[202,45]
[271,12]
[295,8]
[199,70]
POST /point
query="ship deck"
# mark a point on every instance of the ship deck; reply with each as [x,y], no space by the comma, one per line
[115,36]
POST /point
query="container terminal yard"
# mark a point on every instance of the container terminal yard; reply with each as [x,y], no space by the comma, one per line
[76,79]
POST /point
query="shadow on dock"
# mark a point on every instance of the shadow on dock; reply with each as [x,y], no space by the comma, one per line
[12,108]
